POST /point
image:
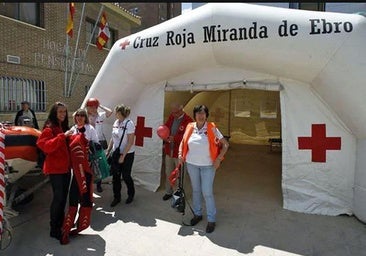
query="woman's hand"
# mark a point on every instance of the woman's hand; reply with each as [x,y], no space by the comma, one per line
[170,139]
[121,159]
[180,160]
[217,163]
[68,133]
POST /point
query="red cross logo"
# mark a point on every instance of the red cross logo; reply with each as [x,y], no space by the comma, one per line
[141,131]
[124,44]
[319,143]
[217,114]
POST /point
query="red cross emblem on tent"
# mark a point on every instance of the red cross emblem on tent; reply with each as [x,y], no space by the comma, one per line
[124,44]
[141,131]
[318,143]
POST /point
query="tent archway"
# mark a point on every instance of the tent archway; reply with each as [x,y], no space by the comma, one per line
[321,74]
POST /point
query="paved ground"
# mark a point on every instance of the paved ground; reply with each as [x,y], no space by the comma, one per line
[250,221]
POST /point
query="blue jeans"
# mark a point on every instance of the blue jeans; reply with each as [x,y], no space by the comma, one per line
[202,178]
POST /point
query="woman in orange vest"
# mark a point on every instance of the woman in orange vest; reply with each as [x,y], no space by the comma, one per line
[201,151]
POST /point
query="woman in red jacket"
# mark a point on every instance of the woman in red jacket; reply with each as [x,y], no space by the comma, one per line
[53,142]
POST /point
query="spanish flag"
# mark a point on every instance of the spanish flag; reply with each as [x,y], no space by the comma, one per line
[70,19]
[104,33]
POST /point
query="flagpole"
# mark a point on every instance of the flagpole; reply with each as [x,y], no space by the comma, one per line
[76,48]
[95,26]
[91,37]
[66,52]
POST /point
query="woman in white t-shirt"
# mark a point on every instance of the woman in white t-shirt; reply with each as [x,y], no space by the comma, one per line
[123,128]
[96,119]
[199,149]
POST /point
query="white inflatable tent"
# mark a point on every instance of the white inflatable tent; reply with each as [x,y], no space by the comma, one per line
[316,60]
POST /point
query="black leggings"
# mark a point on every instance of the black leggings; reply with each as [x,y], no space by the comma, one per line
[123,169]
[60,187]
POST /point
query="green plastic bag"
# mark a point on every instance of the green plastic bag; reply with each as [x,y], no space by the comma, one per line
[99,165]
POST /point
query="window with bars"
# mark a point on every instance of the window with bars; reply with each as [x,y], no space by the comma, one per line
[15,90]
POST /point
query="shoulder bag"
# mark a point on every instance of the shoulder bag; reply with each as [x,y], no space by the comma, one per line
[114,157]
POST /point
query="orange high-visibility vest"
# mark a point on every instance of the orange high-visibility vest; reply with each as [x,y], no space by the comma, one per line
[212,140]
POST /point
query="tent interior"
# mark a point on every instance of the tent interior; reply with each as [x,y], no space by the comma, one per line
[248,118]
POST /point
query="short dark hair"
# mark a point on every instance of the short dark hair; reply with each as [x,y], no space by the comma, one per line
[81,112]
[199,108]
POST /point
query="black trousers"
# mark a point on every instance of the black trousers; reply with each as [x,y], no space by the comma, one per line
[123,170]
[85,199]
[60,188]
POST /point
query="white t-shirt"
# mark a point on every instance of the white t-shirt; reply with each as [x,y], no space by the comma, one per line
[198,146]
[98,123]
[117,132]
[90,133]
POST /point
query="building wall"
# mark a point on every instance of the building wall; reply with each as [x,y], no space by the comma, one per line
[342,7]
[42,51]
[152,13]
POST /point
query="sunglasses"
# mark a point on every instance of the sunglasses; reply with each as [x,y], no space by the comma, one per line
[80,115]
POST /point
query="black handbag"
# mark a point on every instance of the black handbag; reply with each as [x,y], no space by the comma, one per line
[114,157]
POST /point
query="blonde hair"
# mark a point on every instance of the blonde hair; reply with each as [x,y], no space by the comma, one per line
[124,110]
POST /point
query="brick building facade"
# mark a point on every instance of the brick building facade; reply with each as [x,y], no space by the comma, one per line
[153,13]
[34,58]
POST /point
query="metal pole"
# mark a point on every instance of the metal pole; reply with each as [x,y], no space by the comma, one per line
[66,52]
[30,191]
[76,48]
[87,45]
[95,26]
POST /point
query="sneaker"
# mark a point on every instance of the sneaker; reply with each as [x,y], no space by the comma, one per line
[167,196]
[129,200]
[99,188]
[210,227]
[195,220]
[115,202]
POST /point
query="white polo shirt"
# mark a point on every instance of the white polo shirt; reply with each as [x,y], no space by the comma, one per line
[198,146]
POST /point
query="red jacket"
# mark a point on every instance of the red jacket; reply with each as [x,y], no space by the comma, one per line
[52,142]
[178,135]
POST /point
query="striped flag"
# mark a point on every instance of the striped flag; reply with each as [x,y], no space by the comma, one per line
[70,19]
[104,34]
[2,180]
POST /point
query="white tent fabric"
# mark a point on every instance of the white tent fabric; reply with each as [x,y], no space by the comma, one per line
[316,59]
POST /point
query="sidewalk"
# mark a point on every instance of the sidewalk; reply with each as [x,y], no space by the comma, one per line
[250,221]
